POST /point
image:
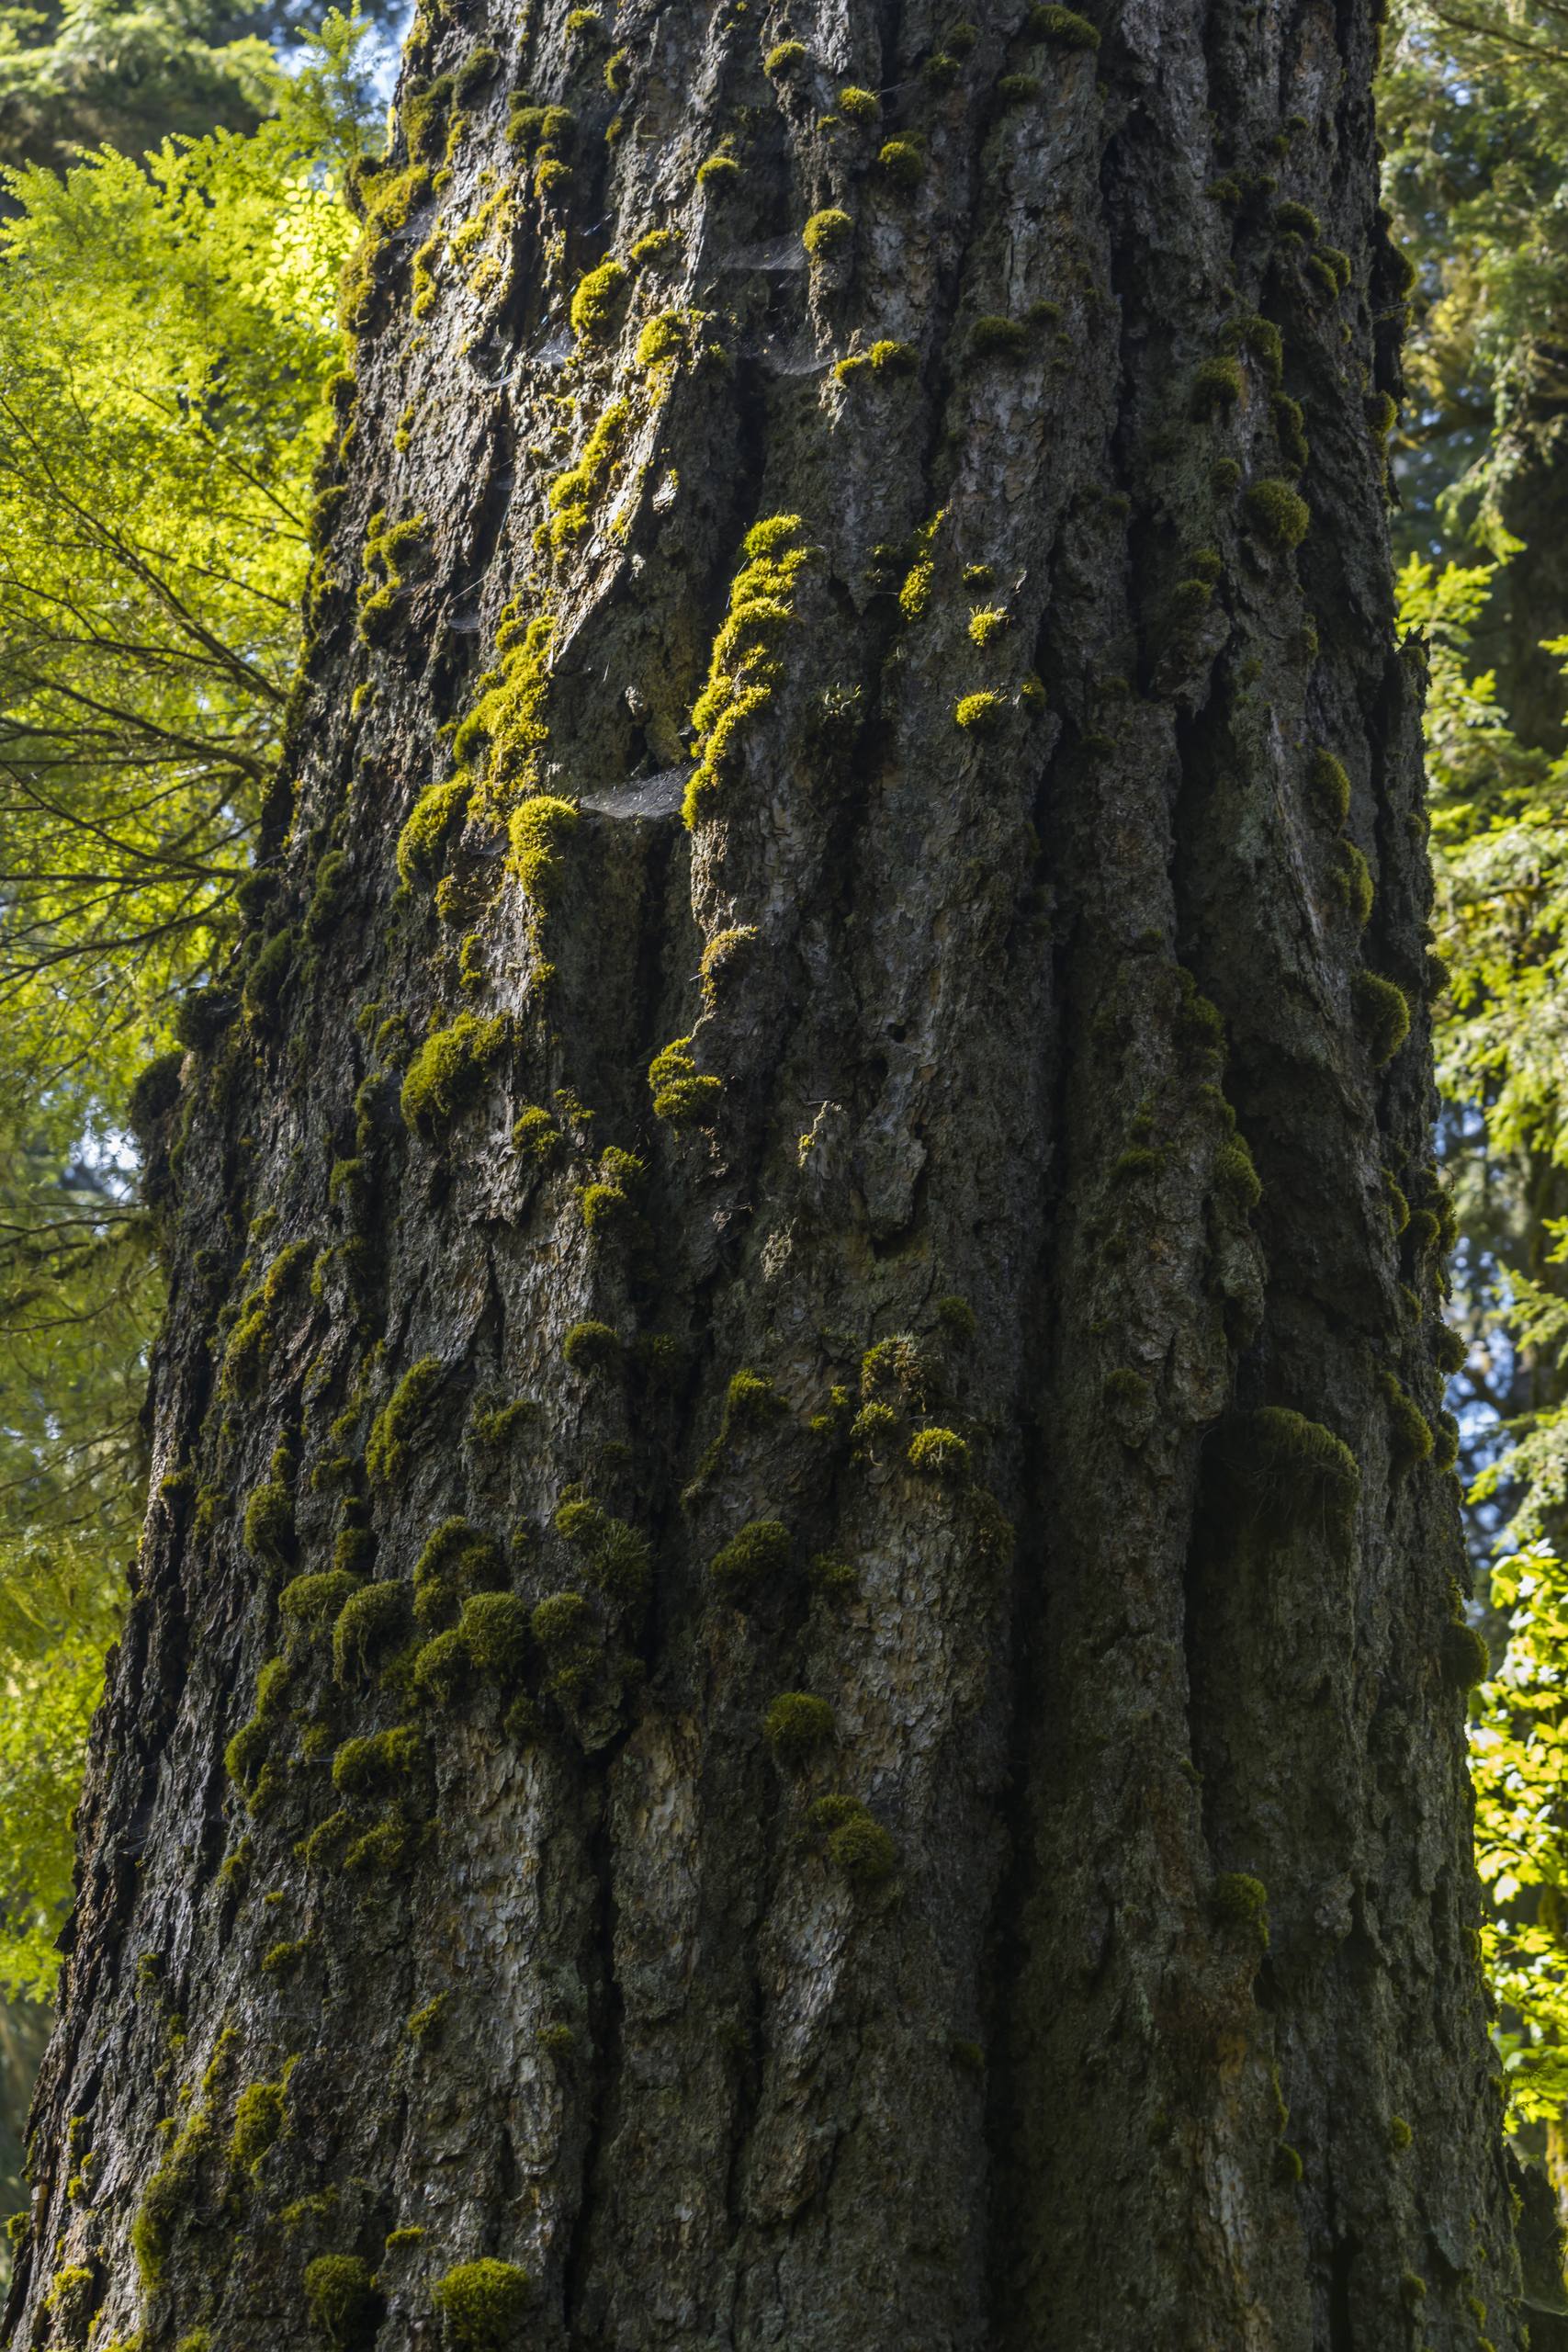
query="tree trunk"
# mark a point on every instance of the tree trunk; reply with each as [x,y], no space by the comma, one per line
[903,1611]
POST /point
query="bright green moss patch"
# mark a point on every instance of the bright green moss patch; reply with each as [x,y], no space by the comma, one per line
[443,1670]
[784,60]
[535,1138]
[450,1072]
[422,844]
[342,2300]
[1277,513]
[597,304]
[259,2116]
[172,2186]
[482,2304]
[1383,1012]
[494,1629]
[402,1416]
[718,174]
[902,164]
[270,1522]
[538,832]
[377,1763]
[795,1723]
[987,624]
[1352,878]
[755,1553]
[979,714]
[681,1095]
[662,339]
[856,104]
[939,1453]
[371,1623]
[311,1599]
[826,233]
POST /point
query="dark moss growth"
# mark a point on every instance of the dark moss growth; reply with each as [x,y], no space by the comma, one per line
[1260,339]
[998,338]
[152,1096]
[493,1629]
[1352,879]
[1289,431]
[1451,1350]
[268,976]
[755,1554]
[1063,25]
[1331,786]
[1467,1662]
[1383,1012]
[826,233]
[902,164]
[451,1072]
[1235,1176]
[379,1763]
[342,2300]
[1285,1461]
[1242,1903]
[371,1623]
[482,2304]
[259,2117]
[399,1419]
[795,1723]
[940,71]
[591,1347]
[424,2024]
[479,66]
[858,1848]
[1216,388]
[329,897]
[1445,1441]
[1019,89]
[1410,1432]
[1298,221]
[269,1523]
[616,1559]
[1279,515]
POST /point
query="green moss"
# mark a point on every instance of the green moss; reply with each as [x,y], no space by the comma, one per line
[1445,1440]
[939,1453]
[1383,1012]
[902,164]
[154,1093]
[755,1554]
[1330,786]
[342,2300]
[69,2299]
[1352,878]
[683,1096]
[494,1629]
[1216,388]
[172,2188]
[1298,221]
[379,1763]
[940,71]
[1242,1903]
[1289,431]
[450,1072]
[794,1723]
[1063,25]
[1260,338]
[482,2304]
[591,1347]
[858,1848]
[259,2117]
[607,1209]
[1451,1349]
[1467,1662]
[1279,515]
[423,2026]
[657,246]
[784,60]
[992,337]
[269,1523]
[584,24]
[719,173]
[422,844]
[1235,1176]
[980,714]
[1019,89]
[1410,1431]
[598,301]
[538,832]
[392,1432]
[859,105]
[505,730]
[372,1621]
[987,624]
[662,339]
[536,1137]
[826,233]
[310,1601]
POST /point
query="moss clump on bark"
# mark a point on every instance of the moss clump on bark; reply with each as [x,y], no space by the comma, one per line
[1216,388]
[310,1601]
[481,2305]
[259,2118]
[379,1763]
[858,1848]
[1277,512]
[1383,1010]
[450,1072]
[494,1630]
[598,301]
[270,1522]
[436,813]
[755,1553]
[399,1421]
[1242,1902]
[1063,25]
[371,1623]
[940,1453]
[826,233]
[796,1723]
[683,1096]
[342,2300]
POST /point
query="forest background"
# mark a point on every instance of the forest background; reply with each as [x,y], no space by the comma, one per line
[181,185]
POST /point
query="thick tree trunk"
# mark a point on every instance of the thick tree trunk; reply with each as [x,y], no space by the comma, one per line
[1096,1965]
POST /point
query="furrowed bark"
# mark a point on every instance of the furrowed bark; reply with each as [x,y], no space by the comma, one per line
[1005,1318]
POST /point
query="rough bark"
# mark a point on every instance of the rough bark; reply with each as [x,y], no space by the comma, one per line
[1123,1991]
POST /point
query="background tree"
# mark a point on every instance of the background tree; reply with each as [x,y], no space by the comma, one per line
[796,1673]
